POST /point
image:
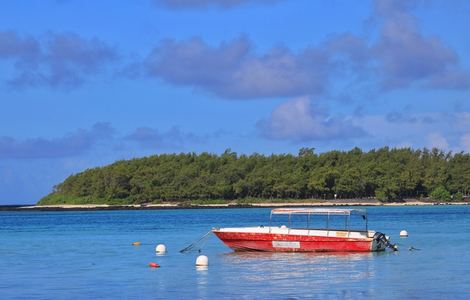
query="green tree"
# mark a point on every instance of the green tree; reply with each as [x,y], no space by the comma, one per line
[440,193]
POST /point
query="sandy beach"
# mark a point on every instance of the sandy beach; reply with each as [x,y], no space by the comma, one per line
[182,205]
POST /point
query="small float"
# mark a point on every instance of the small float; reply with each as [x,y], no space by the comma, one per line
[306,236]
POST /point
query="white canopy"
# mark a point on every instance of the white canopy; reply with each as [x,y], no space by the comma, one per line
[319,211]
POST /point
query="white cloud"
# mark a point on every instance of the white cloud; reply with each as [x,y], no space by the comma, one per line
[60,60]
[400,56]
[72,144]
[465,142]
[233,69]
[297,120]
[202,4]
[437,140]
[397,129]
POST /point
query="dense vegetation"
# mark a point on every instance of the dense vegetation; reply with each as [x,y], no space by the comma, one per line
[387,174]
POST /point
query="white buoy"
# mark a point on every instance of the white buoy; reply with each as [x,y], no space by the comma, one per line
[403,233]
[202,261]
[160,248]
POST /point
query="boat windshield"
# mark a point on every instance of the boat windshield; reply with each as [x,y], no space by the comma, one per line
[320,218]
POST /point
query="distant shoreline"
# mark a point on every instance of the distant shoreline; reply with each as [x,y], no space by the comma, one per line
[180,205]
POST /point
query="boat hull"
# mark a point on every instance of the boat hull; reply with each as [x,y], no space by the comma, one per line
[275,242]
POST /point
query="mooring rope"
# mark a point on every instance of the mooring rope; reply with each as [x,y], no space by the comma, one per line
[200,242]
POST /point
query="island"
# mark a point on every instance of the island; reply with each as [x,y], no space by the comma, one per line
[384,175]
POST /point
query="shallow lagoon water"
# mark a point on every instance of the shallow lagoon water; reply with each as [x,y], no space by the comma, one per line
[88,255]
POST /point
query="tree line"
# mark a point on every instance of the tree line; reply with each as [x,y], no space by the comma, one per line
[387,174]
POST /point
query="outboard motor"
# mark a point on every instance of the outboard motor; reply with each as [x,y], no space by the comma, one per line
[381,238]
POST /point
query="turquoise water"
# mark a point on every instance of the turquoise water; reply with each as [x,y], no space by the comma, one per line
[88,255]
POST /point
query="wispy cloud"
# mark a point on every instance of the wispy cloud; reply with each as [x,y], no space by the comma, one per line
[63,60]
[407,56]
[399,56]
[298,121]
[103,138]
[72,144]
[174,138]
[465,142]
[437,140]
[423,129]
[234,69]
[20,49]
[201,4]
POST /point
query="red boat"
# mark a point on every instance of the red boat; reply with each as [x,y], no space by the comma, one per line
[294,238]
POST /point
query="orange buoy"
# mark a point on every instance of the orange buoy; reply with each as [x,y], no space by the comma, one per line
[136,243]
[154,265]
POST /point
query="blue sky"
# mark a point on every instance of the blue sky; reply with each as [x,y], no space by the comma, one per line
[85,83]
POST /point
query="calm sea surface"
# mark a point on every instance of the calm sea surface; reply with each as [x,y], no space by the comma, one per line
[88,255]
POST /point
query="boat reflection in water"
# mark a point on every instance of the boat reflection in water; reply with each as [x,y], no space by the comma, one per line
[307,271]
